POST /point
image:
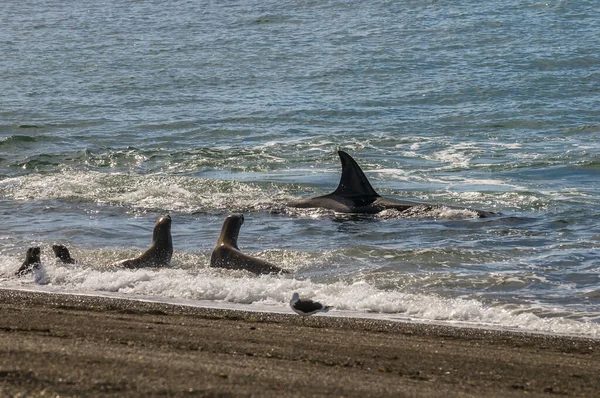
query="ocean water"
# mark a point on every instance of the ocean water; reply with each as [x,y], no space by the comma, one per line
[113,113]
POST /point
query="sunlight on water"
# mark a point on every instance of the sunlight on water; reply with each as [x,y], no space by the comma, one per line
[489,106]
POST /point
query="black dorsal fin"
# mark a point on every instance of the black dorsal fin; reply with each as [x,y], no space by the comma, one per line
[353,182]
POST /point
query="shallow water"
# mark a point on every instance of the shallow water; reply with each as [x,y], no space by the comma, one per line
[114,114]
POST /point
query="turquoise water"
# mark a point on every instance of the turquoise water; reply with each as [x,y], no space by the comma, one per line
[114,113]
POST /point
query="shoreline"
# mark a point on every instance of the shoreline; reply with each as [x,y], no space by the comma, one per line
[77,345]
[341,316]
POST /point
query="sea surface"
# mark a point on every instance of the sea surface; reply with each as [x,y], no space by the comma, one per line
[114,113]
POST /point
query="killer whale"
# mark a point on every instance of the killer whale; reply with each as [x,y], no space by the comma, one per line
[355,194]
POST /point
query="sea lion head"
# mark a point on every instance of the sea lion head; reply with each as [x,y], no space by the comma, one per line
[32,261]
[162,242]
[162,229]
[33,255]
[62,253]
[231,230]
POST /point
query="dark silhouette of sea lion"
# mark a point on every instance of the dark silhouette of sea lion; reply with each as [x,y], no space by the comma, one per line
[355,194]
[161,250]
[32,261]
[226,253]
[62,253]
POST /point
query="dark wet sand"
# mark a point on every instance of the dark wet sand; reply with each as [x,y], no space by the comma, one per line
[61,345]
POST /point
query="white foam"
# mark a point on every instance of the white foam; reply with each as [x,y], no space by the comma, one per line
[398,174]
[171,193]
[188,194]
[272,293]
[453,156]
[436,212]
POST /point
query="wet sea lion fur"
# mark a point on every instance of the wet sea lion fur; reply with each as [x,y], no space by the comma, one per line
[160,251]
[227,254]
[31,263]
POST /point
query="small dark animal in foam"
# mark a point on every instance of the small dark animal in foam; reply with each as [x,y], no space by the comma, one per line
[160,251]
[355,194]
[305,307]
[62,253]
[226,253]
[32,262]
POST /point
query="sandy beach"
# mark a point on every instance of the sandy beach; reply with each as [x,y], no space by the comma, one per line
[64,345]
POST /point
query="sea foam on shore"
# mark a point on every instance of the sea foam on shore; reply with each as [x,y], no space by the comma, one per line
[239,290]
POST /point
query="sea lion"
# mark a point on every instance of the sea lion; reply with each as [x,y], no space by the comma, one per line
[161,250]
[32,262]
[62,253]
[226,253]
[305,306]
[355,194]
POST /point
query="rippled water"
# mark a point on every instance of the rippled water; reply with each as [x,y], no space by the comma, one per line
[114,113]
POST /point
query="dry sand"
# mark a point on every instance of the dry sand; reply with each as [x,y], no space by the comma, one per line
[61,345]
